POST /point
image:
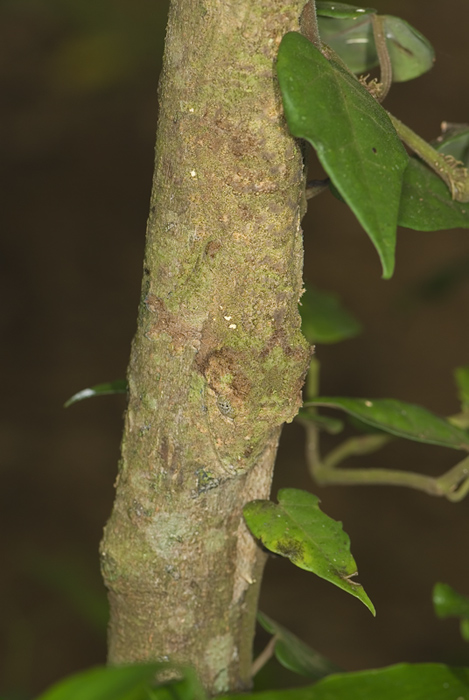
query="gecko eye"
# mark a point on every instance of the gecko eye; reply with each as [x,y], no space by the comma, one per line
[224,406]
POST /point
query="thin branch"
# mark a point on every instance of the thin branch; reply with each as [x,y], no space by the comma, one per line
[453,485]
[451,171]
[356,446]
[384,59]
[309,24]
[455,482]
[264,656]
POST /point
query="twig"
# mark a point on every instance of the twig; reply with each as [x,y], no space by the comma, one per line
[451,171]
[384,59]
[264,656]
[453,485]
[309,24]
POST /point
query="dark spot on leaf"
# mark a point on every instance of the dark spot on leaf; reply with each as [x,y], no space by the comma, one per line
[290,548]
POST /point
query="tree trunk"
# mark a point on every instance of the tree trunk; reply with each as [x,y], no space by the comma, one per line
[218,360]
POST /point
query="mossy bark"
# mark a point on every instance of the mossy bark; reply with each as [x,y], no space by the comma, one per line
[218,360]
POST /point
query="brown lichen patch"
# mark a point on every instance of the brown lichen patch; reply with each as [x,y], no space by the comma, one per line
[222,371]
[170,459]
[212,248]
[243,182]
[237,137]
[181,332]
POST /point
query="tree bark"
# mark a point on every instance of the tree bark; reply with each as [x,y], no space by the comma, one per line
[218,360]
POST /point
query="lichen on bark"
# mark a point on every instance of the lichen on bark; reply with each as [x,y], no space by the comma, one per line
[218,359]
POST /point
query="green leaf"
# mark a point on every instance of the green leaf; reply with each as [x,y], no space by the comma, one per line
[365,428]
[340,10]
[323,318]
[410,52]
[136,682]
[399,418]
[296,528]
[461,375]
[119,386]
[105,683]
[186,688]
[294,654]
[352,134]
[400,682]
[351,37]
[426,203]
[448,603]
[454,141]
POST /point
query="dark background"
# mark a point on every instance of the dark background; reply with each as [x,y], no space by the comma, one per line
[78,86]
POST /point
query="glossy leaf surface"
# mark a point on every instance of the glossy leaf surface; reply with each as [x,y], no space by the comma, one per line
[105,683]
[296,528]
[341,10]
[402,419]
[426,203]
[411,54]
[454,142]
[119,386]
[352,134]
[294,654]
[324,319]
[400,682]
[352,40]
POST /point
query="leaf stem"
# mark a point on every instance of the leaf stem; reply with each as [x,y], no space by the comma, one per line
[384,59]
[456,481]
[353,447]
[451,171]
[265,655]
[453,485]
[309,24]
